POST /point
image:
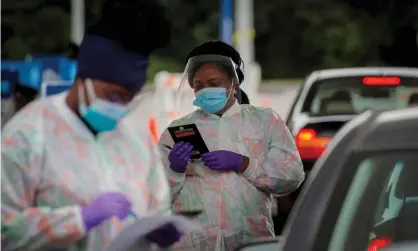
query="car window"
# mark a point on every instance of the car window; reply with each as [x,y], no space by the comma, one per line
[386,185]
[351,95]
[389,203]
[292,108]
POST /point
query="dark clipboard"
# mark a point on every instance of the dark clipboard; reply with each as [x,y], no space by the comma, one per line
[190,134]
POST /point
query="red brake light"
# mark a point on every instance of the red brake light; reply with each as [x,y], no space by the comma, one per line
[377,243]
[309,145]
[306,134]
[381,80]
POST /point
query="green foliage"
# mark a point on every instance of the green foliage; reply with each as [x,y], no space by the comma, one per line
[339,35]
[293,37]
[158,64]
[45,31]
[17,48]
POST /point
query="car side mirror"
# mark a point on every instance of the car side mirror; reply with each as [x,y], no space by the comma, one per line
[264,245]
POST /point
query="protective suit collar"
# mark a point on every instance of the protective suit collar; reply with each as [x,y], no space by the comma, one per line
[71,117]
[234,109]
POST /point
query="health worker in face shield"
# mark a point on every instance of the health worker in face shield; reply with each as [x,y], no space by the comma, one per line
[71,177]
[252,155]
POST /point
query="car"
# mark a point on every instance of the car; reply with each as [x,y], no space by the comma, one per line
[330,98]
[362,193]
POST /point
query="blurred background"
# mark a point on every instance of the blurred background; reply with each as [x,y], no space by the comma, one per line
[291,38]
[281,42]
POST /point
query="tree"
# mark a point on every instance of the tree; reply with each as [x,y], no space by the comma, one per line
[292,37]
[401,46]
[46,30]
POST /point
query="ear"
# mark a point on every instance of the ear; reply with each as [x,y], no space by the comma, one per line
[235,85]
[236,88]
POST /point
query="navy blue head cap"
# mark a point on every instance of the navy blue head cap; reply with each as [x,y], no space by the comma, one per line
[103,59]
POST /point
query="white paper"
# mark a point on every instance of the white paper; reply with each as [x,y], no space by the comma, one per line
[133,235]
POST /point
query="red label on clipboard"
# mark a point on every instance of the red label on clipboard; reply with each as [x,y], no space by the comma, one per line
[184,134]
[190,134]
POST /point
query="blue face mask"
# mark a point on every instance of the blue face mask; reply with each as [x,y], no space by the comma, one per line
[101,115]
[211,99]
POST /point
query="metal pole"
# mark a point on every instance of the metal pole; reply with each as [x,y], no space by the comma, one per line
[226,21]
[77,21]
[245,35]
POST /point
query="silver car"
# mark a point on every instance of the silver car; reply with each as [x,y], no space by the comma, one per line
[362,193]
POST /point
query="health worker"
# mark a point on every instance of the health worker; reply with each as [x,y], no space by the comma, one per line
[71,176]
[252,155]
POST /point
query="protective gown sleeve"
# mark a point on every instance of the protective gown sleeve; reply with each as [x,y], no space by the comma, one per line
[158,184]
[175,180]
[280,172]
[23,225]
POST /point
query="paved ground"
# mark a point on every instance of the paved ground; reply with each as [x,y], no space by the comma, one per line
[280,100]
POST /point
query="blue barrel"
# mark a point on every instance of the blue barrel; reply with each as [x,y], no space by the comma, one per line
[67,69]
[9,80]
[30,72]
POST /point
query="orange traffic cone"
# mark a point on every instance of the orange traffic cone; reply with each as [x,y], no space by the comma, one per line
[265,103]
[169,82]
[152,127]
[172,115]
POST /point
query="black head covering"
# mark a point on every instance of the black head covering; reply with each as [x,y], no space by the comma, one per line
[218,47]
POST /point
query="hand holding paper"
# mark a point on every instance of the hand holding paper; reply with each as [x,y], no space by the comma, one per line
[159,229]
[104,207]
[164,236]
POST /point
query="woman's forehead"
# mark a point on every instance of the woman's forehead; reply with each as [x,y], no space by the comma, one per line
[210,71]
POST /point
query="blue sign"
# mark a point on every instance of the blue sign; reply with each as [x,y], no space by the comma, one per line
[67,69]
[42,68]
[30,73]
[55,87]
[64,67]
[48,62]
[11,65]
[5,86]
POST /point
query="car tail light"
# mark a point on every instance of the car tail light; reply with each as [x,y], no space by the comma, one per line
[381,80]
[377,243]
[310,145]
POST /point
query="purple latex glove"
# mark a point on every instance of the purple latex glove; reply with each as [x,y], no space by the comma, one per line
[179,156]
[104,207]
[164,236]
[223,160]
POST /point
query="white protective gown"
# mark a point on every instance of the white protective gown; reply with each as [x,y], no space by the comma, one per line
[236,207]
[52,165]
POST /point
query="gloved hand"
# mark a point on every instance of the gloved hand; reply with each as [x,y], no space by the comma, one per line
[223,160]
[165,236]
[104,207]
[179,156]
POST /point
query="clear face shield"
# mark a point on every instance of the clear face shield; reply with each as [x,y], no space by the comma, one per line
[209,82]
